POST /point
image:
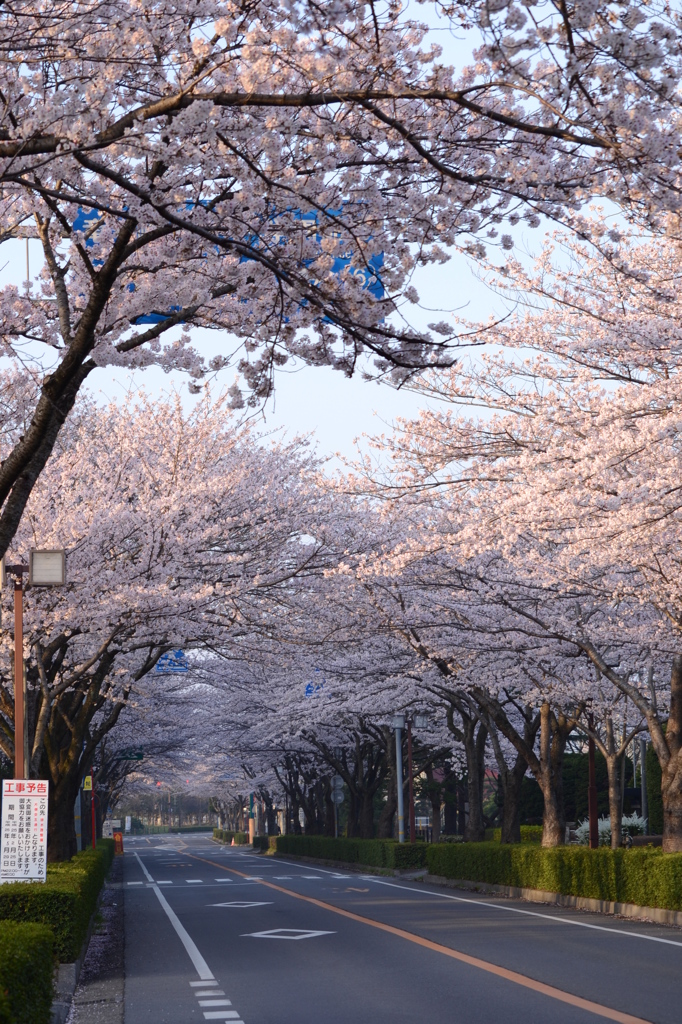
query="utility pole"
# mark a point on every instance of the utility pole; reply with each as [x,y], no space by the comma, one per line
[642,777]
[410,782]
[399,725]
[592,791]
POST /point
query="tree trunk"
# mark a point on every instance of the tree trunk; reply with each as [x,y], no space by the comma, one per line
[366,821]
[671,772]
[61,829]
[511,781]
[614,764]
[553,736]
[474,747]
[386,819]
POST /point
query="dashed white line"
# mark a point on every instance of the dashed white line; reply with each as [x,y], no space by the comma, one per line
[194,881]
[215,1002]
[221,1015]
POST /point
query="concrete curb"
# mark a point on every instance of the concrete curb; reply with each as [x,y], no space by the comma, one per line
[655,915]
[66,979]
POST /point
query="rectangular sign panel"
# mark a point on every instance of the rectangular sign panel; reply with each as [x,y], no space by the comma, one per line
[23,835]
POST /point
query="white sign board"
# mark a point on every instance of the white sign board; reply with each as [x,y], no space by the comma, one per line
[107,829]
[23,840]
[128,822]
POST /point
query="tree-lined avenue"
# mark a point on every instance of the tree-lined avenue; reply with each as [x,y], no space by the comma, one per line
[381,951]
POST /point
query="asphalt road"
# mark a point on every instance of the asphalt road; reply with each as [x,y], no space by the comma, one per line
[213,933]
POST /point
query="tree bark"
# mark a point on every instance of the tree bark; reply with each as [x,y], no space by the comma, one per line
[61,829]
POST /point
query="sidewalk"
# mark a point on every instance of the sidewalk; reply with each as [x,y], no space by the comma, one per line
[98,999]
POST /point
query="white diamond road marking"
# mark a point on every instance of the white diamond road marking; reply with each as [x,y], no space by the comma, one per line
[242,905]
[286,933]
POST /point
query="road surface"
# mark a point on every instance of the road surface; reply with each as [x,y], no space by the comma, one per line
[217,934]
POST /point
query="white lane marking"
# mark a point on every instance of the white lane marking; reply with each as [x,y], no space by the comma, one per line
[202,984]
[313,878]
[223,879]
[528,913]
[286,933]
[209,992]
[136,883]
[241,905]
[215,1002]
[200,965]
[145,872]
[194,881]
[342,876]
[253,878]
[164,883]
[282,878]
[289,864]
[221,1015]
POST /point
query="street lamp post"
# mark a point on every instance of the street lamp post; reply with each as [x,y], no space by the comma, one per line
[592,790]
[45,569]
[419,722]
[399,725]
[410,782]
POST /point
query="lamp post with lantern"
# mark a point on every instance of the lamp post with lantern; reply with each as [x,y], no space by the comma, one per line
[46,568]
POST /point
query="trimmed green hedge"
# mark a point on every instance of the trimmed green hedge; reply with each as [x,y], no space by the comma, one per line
[65,901]
[225,836]
[265,843]
[644,876]
[26,969]
[376,853]
[529,834]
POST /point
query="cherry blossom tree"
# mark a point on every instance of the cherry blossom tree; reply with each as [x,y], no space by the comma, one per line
[573,477]
[179,530]
[277,172]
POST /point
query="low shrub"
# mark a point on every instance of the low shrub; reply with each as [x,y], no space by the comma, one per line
[26,970]
[529,834]
[225,836]
[265,843]
[632,825]
[377,853]
[644,876]
[65,901]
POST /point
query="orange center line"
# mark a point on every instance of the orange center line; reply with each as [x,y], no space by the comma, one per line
[454,954]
